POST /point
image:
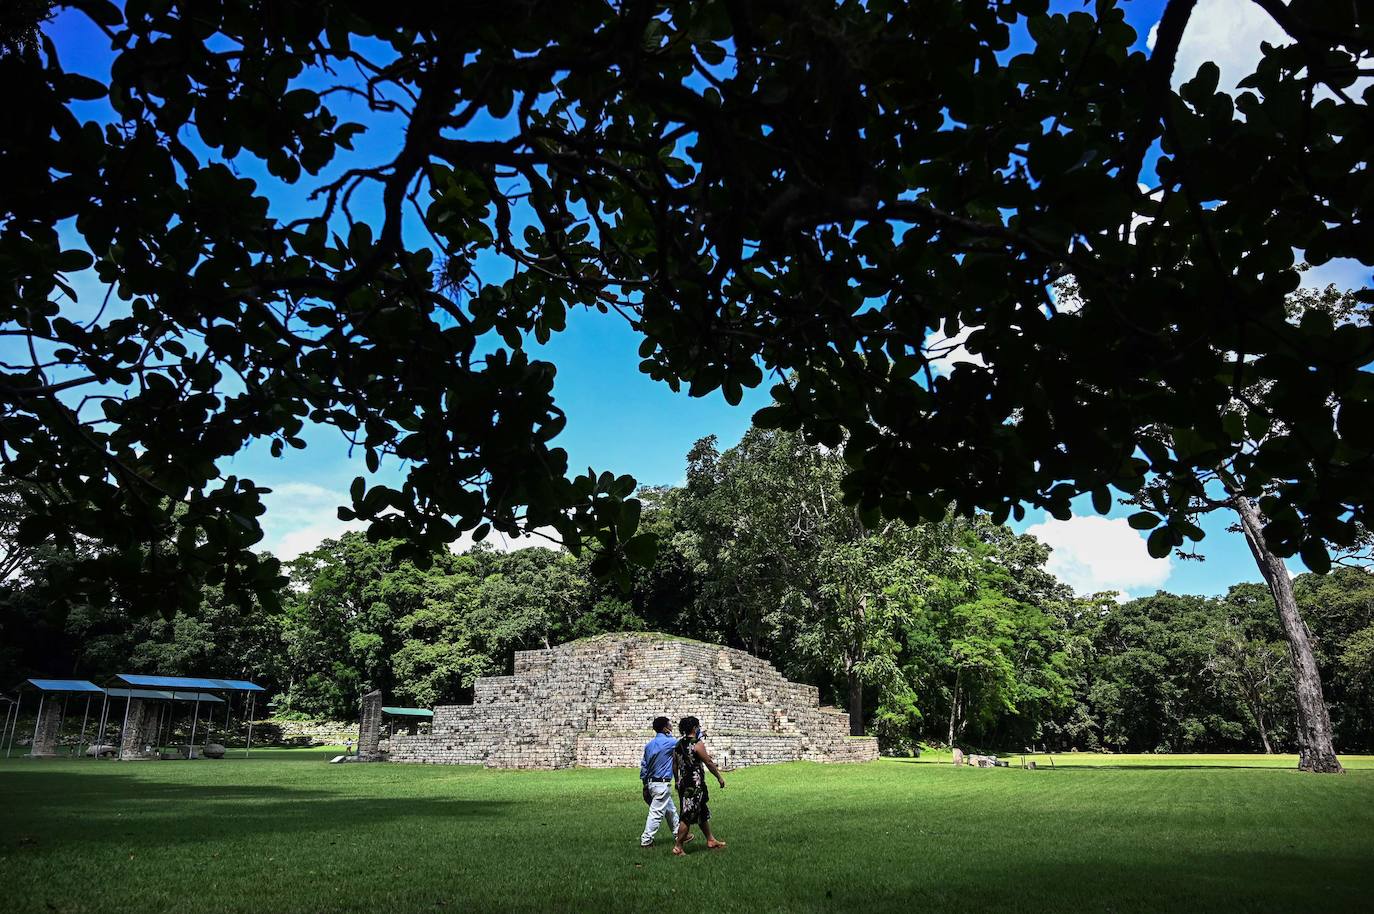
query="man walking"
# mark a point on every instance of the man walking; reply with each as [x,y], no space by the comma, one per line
[656,773]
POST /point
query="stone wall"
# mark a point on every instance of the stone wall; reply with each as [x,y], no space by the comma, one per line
[299,732]
[590,703]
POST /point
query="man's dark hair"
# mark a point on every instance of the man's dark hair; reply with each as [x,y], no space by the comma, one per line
[687,725]
[661,724]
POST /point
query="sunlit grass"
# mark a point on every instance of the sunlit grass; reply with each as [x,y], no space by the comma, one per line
[1150,760]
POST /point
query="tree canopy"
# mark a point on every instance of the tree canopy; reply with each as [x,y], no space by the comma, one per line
[964,637]
[822,190]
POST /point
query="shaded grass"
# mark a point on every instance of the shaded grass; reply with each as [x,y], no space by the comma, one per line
[284,832]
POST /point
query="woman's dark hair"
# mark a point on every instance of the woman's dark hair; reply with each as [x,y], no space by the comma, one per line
[687,725]
[661,724]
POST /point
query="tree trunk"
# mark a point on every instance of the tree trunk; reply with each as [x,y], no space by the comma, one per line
[856,703]
[856,657]
[1256,706]
[954,709]
[1316,751]
[1264,734]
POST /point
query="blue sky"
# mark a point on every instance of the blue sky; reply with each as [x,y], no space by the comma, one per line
[620,420]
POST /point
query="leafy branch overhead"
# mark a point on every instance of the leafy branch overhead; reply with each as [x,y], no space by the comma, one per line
[811,190]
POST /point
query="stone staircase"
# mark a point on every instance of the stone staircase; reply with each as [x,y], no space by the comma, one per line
[590,703]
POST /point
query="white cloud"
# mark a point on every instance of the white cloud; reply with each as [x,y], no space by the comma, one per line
[950,350]
[301,515]
[1228,33]
[547,539]
[1093,554]
[1138,219]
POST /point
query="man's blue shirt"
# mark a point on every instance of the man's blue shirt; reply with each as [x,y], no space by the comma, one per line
[658,758]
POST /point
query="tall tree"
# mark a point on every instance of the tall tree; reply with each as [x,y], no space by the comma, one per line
[1339,609]
[1205,479]
[1316,747]
[984,646]
[15,554]
[1250,663]
[343,604]
[791,571]
[786,568]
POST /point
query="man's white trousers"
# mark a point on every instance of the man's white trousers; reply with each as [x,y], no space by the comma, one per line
[660,805]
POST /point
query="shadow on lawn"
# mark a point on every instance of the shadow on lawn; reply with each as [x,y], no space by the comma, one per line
[59,808]
[1206,881]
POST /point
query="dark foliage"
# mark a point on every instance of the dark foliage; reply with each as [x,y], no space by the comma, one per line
[812,188]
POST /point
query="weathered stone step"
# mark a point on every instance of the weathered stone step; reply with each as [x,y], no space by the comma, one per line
[590,702]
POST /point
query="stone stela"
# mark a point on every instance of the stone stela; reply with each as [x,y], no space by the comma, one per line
[370,728]
[140,732]
[590,703]
[49,731]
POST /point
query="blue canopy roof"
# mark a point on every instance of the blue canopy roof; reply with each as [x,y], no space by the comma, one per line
[188,682]
[408,712]
[159,695]
[63,685]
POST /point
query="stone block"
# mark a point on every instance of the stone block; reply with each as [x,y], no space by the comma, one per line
[370,728]
[590,703]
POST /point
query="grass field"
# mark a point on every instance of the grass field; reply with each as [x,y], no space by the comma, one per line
[285,832]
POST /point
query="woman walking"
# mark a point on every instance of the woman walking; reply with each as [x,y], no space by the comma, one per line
[690,759]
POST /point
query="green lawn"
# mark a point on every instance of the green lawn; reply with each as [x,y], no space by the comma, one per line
[283,831]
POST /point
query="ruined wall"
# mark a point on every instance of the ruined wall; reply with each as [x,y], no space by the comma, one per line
[590,703]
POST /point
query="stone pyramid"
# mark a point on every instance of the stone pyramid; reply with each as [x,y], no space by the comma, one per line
[590,703]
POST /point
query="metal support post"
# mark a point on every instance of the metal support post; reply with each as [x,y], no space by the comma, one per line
[41,697]
[119,753]
[209,724]
[104,719]
[14,726]
[252,702]
[191,744]
[85,716]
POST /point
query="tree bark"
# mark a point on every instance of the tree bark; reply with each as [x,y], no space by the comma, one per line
[954,709]
[855,658]
[856,703]
[1264,734]
[1316,751]
[1255,701]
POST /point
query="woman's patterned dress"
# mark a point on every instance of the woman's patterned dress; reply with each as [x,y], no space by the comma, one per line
[691,784]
